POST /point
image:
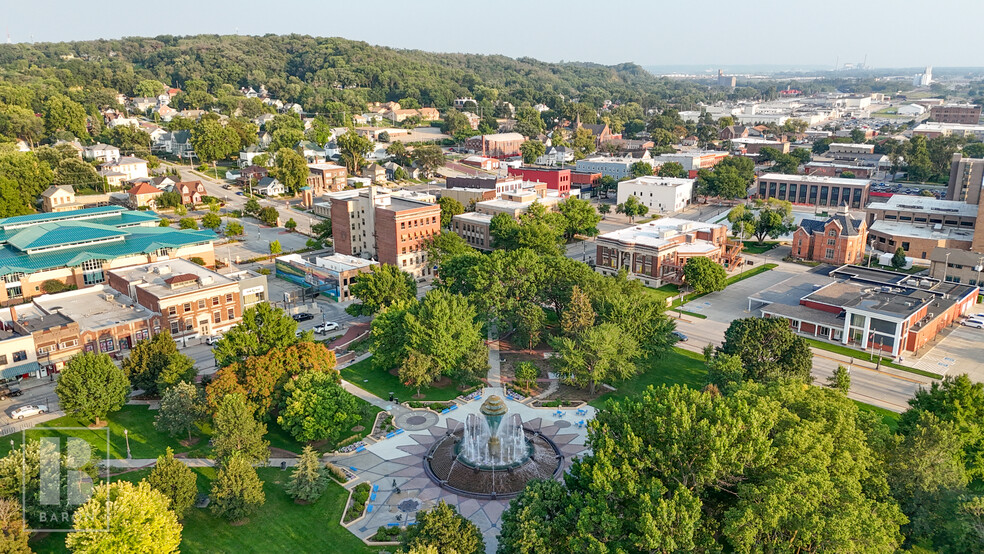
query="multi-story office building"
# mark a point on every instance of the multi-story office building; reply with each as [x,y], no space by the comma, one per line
[389,228]
[815,191]
[968,114]
[474,228]
[966,179]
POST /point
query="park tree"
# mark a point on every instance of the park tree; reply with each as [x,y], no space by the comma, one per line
[284,139]
[898,259]
[237,432]
[237,491]
[671,169]
[444,529]
[450,207]
[704,275]
[840,380]
[729,179]
[176,481]
[429,158]
[604,209]
[580,218]
[974,150]
[13,529]
[530,323]
[641,169]
[526,374]
[632,208]
[918,163]
[768,349]
[291,170]
[322,229]
[123,517]
[213,141]
[443,326]
[308,481]
[380,288]
[601,353]
[234,229]
[742,221]
[316,407]
[455,123]
[155,364]
[354,148]
[583,142]
[91,386]
[252,207]
[578,316]
[775,218]
[418,370]
[73,171]
[290,225]
[211,221]
[959,401]
[263,328]
[268,215]
[529,123]
[447,245]
[182,409]
[188,223]
[532,150]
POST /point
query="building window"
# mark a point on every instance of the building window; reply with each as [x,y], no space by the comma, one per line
[215,300]
[3,359]
[20,355]
[832,233]
[187,307]
[107,345]
[141,334]
[174,327]
[173,310]
[831,242]
[217,317]
[231,313]
[229,297]
[829,253]
[201,303]
[905,246]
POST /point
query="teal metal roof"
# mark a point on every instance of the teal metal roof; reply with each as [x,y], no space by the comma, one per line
[59,216]
[112,216]
[137,240]
[11,372]
[69,232]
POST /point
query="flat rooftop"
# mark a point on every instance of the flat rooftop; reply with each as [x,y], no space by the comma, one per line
[907,229]
[94,308]
[657,233]
[814,179]
[475,217]
[909,203]
[343,262]
[172,278]
[656,181]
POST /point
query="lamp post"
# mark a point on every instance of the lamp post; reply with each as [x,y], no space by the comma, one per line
[871,250]
[946,264]
[126,435]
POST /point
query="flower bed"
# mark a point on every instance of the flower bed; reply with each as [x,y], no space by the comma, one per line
[357,502]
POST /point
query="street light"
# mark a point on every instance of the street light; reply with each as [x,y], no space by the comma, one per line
[946,263]
[126,434]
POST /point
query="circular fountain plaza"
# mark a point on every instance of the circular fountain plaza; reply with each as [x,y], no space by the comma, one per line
[474,456]
[492,455]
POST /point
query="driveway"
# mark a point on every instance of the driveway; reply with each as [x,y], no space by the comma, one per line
[959,352]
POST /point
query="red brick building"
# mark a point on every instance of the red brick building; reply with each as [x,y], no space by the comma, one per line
[498,145]
[557,179]
[839,240]
[326,177]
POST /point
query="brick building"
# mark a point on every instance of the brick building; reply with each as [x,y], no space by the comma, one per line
[393,230]
[557,179]
[839,240]
[326,177]
[193,301]
[968,114]
[474,228]
[109,322]
[656,252]
[498,145]
[55,336]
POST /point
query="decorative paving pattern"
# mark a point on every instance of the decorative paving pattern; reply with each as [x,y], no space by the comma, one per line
[396,466]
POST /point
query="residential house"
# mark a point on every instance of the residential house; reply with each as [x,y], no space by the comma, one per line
[251,175]
[101,152]
[473,119]
[143,194]
[269,186]
[131,167]
[166,113]
[246,156]
[602,133]
[840,239]
[429,114]
[375,172]
[59,198]
[191,192]
[481,162]
[326,177]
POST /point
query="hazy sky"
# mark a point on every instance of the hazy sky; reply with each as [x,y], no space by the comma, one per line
[893,33]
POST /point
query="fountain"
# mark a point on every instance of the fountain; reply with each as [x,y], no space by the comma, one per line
[492,455]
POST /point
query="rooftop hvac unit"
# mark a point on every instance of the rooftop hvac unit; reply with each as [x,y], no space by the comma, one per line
[162,269]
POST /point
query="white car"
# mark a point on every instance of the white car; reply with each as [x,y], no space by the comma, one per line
[325,327]
[28,411]
[975,323]
[212,339]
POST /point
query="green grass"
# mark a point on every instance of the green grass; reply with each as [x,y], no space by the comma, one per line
[866,356]
[664,292]
[382,383]
[280,525]
[888,417]
[677,367]
[753,247]
[692,314]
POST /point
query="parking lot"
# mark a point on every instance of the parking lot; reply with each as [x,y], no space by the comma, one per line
[732,303]
[959,352]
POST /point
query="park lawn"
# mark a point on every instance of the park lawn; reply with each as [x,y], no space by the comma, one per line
[866,356]
[888,417]
[753,247]
[279,525]
[145,440]
[382,383]
[664,292]
[676,367]
[279,438]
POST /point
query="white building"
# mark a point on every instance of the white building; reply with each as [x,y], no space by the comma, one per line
[101,152]
[911,110]
[660,194]
[556,155]
[616,168]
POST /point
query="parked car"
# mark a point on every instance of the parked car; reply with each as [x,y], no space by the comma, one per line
[975,323]
[28,411]
[325,327]
[9,390]
[212,339]
[680,336]
[303,316]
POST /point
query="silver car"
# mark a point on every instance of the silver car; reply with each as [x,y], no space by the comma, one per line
[28,411]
